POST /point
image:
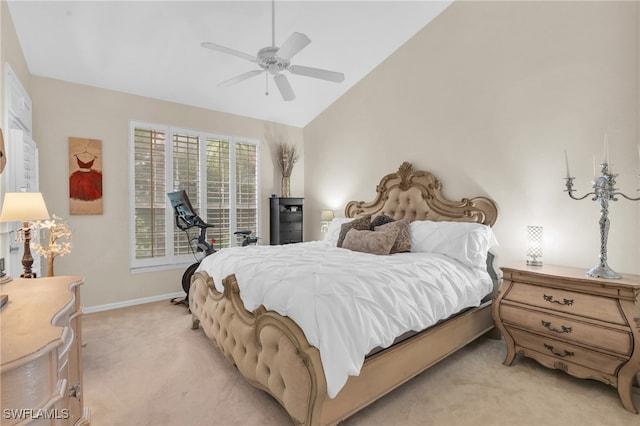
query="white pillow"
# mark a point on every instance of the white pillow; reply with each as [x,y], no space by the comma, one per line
[464,241]
[333,233]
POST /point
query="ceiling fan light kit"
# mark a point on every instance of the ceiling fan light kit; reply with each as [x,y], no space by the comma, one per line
[275,60]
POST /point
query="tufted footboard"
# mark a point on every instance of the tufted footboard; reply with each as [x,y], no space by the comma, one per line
[270,350]
[273,354]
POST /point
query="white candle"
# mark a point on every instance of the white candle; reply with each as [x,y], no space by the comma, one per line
[594,168]
[606,150]
[639,159]
[566,162]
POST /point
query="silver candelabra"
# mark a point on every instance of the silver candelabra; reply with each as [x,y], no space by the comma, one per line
[604,190]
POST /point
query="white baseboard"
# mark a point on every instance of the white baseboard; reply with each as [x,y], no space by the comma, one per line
[132,302]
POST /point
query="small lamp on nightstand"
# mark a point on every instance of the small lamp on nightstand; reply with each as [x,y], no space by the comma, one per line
[534,245]
[24,207]
[325,217]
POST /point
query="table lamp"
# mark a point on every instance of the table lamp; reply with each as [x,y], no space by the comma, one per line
[325,217]
[24,206]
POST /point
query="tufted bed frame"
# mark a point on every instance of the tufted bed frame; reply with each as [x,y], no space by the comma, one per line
[272,353]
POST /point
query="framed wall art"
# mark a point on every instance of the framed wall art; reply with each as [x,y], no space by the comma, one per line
[85,176]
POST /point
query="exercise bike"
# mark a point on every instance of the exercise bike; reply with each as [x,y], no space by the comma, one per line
[247,239]
[186,218]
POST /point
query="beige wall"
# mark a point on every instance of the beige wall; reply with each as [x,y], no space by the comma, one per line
[10,50]
[487,97]
[101,243]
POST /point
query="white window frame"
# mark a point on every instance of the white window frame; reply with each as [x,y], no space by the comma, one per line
[171,261]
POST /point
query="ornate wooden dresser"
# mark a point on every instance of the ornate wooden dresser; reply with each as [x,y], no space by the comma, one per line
[41,364]
[587,327]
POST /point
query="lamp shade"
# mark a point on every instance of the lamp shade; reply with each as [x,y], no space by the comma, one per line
[326,216]
[23,206]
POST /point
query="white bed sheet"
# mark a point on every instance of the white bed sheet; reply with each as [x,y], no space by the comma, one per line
[346,302]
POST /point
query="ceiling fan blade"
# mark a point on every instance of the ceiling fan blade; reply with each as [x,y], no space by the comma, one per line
[295,43]
[284,87]
[239,78]
[229,51]
[336,77]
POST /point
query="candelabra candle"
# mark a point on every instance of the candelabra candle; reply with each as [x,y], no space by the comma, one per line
[604,190]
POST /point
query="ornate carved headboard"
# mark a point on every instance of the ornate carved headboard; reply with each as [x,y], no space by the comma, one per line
[416,195]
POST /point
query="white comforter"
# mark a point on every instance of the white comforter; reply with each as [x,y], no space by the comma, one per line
[346,302]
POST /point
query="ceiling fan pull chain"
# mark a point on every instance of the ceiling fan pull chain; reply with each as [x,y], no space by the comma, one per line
[266,80]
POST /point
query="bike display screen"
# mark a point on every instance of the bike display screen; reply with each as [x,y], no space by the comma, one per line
[181,204]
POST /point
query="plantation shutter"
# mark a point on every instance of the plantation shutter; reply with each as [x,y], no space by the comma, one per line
[185,176]
[246,186]
[220,176]
[150,204]
[218,206]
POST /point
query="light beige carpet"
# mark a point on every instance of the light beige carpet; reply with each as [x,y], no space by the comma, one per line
[144,366]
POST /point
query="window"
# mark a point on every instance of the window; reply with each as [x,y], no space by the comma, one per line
[220,175]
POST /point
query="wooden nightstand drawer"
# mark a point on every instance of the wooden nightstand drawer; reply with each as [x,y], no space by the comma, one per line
[598,361]
[601,308]
[568,329]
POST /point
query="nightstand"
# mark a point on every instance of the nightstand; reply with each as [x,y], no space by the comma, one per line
[587,327]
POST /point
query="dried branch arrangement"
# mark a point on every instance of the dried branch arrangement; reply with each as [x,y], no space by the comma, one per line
[286,157]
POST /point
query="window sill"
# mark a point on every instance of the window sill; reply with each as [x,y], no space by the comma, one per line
[155,268]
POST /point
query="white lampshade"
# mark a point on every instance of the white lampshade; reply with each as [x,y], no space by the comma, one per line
[326,216]
[23,206]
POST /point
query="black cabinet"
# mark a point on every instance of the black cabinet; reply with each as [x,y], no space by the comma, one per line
[286,220]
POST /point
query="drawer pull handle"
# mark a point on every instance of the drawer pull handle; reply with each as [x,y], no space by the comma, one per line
[565,302]
[563,329]
[564,353]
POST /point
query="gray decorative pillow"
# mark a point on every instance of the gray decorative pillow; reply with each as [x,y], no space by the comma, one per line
[403,241]
[380,220]
[374,242]
[358,224]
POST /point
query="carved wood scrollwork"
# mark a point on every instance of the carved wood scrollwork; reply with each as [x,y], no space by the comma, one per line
[422,190]
[559,365]
[496,296]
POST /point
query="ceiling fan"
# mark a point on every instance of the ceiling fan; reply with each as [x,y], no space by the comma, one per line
[274,60]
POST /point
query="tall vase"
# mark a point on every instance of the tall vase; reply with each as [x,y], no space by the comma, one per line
[286,188]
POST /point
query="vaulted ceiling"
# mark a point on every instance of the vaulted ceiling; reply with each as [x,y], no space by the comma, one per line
[152,48]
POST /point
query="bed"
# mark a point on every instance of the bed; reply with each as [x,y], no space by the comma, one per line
[271,350]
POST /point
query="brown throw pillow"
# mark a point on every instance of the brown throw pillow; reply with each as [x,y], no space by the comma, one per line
[403,241]
[379,221]
[359,224]
[374,242]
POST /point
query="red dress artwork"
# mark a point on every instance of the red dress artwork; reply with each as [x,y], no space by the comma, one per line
[85,184]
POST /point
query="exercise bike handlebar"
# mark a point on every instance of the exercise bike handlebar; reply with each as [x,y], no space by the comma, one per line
[188,222]
[184,223]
